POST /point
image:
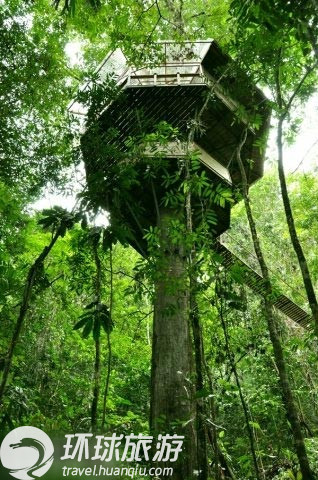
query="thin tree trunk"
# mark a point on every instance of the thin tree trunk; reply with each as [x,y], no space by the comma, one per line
[176,8]
[200,413]
[212,432]
[284,110]
[94,409]
[312,299]
[221,462]
[287,395]
[108,338]
[24,309]
[238,383]
[96,389]
[197,340]
[107,379]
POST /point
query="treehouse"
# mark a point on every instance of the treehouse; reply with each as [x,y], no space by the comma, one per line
[195,89]
[146,124]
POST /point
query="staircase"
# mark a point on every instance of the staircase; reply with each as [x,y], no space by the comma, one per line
[256,283]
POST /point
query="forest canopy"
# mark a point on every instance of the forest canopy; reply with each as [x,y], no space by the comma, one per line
[148,273]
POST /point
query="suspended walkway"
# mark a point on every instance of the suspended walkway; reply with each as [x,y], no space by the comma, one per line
[256,283]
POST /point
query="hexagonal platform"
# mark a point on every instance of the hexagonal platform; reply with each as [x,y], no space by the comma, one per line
[183,84]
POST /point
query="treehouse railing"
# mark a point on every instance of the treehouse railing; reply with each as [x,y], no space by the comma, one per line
[165,79]
[175,64]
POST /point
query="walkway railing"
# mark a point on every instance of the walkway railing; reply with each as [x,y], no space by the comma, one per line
[256,283]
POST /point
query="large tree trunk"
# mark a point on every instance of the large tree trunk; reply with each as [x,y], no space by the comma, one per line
[172,402]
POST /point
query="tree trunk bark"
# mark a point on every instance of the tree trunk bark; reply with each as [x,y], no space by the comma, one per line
[200,411]
[109,362]
[96,386]
[172,404]
[98,290]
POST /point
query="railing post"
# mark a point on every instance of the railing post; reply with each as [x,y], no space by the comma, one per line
[129,76]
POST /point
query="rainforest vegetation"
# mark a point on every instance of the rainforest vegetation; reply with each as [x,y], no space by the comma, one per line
[77,299]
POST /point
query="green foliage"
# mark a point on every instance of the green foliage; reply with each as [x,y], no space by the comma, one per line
[58,219]
[50,383]
[266,38]
[34,127]
[70,5]
[95,317]
[97,95]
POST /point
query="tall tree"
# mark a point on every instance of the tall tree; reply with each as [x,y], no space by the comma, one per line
[36,142]
[58,221]
[95,318]
[171,389]
[276,35]
[288,399]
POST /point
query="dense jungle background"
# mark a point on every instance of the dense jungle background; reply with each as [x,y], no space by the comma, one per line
[76,301]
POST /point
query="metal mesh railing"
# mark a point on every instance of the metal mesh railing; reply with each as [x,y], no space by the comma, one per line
[168,63]
[238,241]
